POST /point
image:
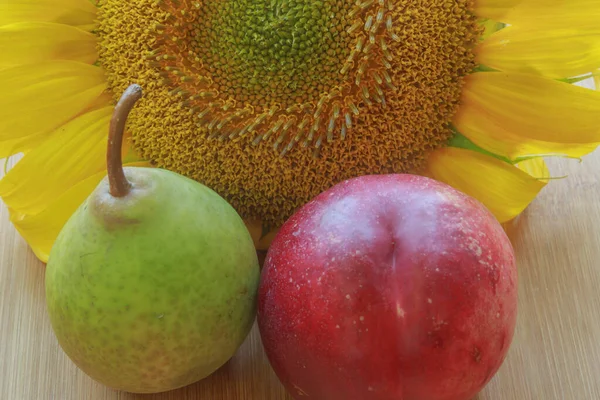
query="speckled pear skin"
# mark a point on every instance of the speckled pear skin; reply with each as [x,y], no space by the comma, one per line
[156,290]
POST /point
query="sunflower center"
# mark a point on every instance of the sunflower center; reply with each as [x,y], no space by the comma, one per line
[272,52]
[270,102]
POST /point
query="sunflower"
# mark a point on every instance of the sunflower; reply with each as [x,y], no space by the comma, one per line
[270,102]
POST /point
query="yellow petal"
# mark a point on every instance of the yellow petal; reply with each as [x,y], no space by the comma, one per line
[80,13]
[38,98]
[503,188]
[18,145]
[23,145]
[40,230]
[32,42]
[72,153]
[535,167]
[556,53]
[515,115]
[553,14]
[495,9]
[474,124]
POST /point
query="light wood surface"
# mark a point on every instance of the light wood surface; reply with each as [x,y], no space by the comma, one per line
[555,354]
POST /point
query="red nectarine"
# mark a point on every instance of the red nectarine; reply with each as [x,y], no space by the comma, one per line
[388,287]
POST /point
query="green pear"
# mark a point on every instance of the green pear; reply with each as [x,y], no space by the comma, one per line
[151,284]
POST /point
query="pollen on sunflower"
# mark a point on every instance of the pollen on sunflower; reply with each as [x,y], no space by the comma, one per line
[270,102]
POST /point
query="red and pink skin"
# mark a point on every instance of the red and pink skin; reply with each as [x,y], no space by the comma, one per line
[388,287]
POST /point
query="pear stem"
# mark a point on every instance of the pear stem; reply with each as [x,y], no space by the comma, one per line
[119,186]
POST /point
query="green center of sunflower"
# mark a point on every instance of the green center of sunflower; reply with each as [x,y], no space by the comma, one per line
[270,102]
[273,53]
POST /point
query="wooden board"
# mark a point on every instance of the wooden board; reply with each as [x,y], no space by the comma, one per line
[555,354]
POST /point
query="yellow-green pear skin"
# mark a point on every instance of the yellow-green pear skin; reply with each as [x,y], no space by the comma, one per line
[154,290]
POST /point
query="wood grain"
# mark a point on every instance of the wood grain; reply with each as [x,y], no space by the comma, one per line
[555,354]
